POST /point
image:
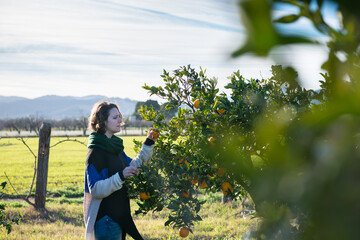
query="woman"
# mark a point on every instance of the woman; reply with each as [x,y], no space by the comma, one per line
[106,203]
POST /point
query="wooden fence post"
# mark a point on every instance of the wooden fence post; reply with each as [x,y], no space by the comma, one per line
[43,163]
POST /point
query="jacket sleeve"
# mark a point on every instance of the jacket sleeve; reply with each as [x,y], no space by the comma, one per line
[105,187]
[144,155]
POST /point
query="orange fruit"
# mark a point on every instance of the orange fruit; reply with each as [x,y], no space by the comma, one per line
[182,160]
[212,141]
[185,194]
[221,171]
[226,187]
[197,104]
[167,190]
[221,110]
[144,196]
[154,133]
[203,184]
[194,181]
[183,232]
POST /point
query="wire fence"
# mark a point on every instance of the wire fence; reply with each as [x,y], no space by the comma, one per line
[72,133]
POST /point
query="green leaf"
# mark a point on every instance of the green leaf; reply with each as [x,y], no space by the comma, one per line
[159,208]
[173,206]
[198,207]
[167,223]
[262,36]
[292,2]
[288,19]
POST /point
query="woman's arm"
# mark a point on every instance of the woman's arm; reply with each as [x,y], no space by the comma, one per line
[143,156]
[101,186]
[146,150]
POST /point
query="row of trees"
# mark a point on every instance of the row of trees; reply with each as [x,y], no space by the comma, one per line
[67,124]
[32,124]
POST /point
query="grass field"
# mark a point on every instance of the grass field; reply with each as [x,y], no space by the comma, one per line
[65,221]
[64,204]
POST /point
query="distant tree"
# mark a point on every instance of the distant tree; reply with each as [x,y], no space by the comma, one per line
[169,110]
[2,124]
[149,103]
[34,124]
[138,124]
[82,123]
[66,124]
[18,124]
[12,125]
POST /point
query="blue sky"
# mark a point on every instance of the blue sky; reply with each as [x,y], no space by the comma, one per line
[112,48]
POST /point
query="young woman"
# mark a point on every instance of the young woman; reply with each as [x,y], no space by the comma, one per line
[106,203]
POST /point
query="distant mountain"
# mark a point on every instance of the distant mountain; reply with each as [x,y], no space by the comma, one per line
[10,99]
[58,107]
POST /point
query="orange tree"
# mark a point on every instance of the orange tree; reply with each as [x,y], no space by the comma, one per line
[213,146]
[298,158]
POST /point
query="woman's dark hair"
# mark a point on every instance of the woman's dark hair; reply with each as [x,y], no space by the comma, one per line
[99,114]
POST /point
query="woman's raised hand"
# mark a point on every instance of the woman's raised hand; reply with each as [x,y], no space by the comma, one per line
[153,134]
[130,171]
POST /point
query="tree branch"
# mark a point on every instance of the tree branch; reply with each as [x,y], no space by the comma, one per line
[25,198]
[11,183]
[24,142]
[33,179]
[35,158]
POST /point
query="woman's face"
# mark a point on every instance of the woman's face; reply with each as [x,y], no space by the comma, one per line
[113,123]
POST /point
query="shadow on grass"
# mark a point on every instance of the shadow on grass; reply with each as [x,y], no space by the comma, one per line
[64,213]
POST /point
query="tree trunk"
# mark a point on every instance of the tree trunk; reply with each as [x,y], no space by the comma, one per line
[43,163]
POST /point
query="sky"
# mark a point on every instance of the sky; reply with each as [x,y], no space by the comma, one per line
[113,47]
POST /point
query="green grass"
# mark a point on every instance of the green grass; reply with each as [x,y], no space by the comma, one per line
[65,197]
[65,221]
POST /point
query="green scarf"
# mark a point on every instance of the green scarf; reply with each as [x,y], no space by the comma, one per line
[113,145]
